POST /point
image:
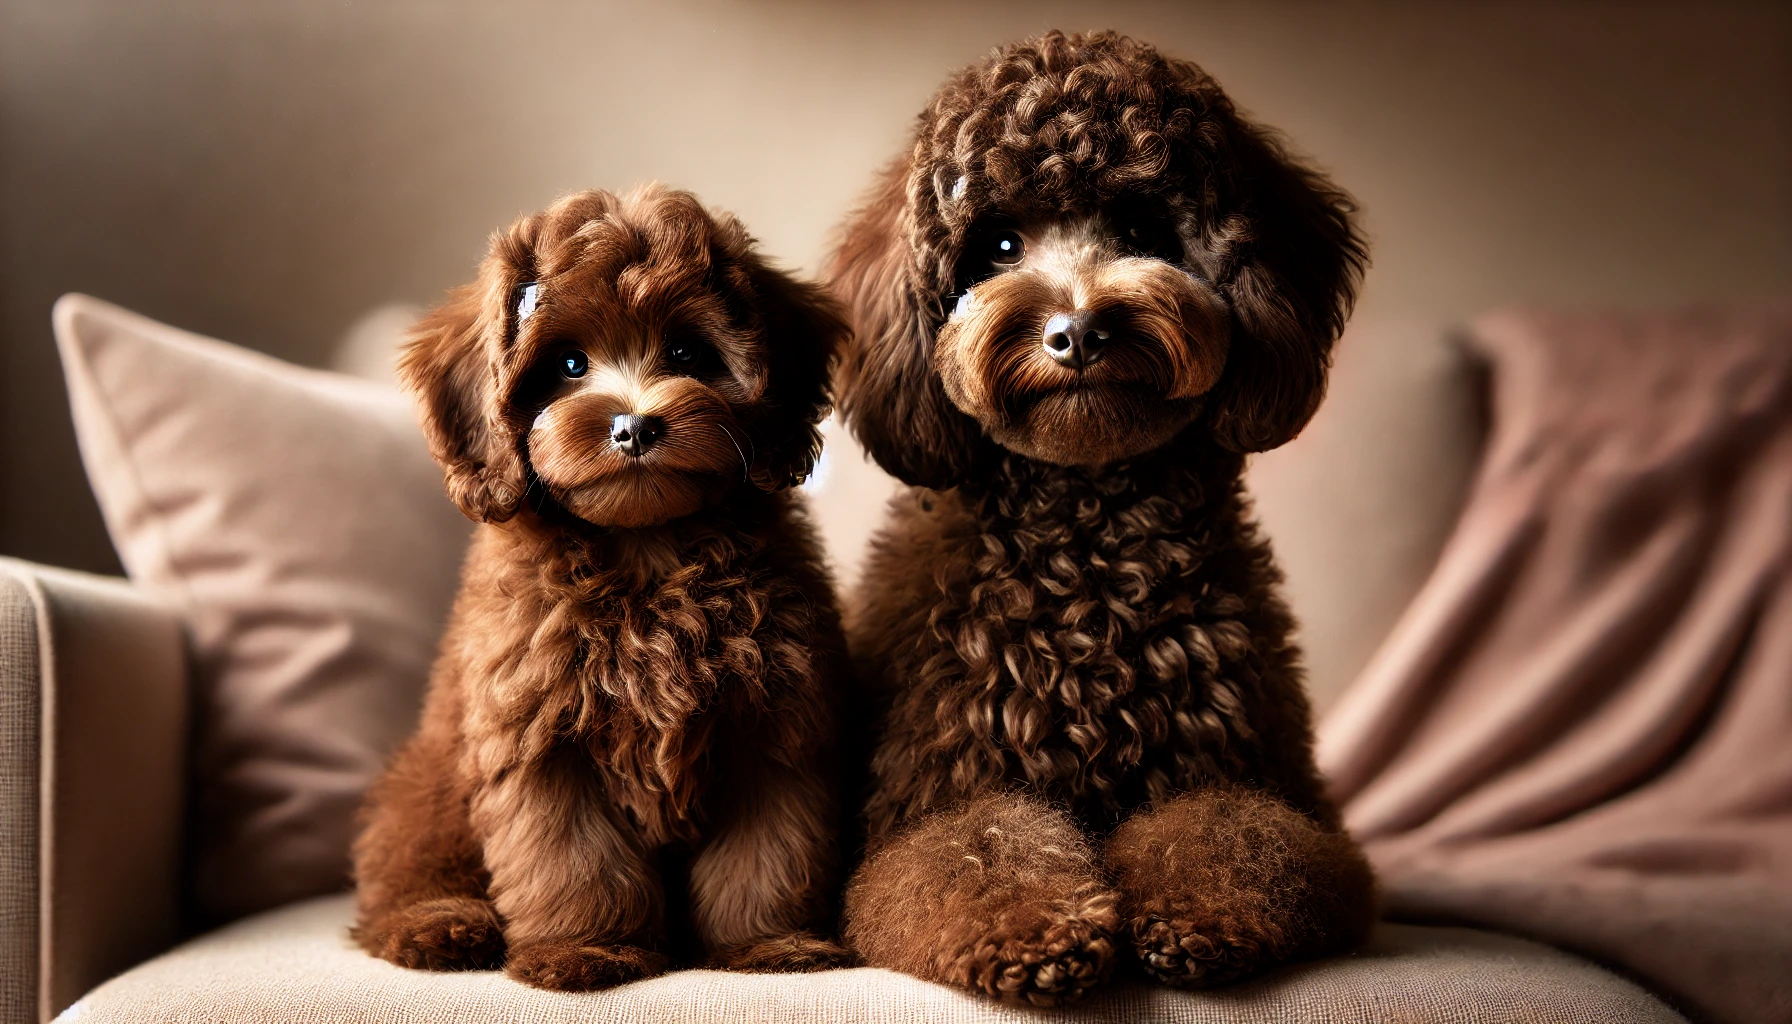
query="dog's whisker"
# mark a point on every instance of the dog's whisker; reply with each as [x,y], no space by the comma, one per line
[745,466]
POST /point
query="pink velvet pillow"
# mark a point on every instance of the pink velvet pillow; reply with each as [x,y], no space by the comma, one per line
[297,519]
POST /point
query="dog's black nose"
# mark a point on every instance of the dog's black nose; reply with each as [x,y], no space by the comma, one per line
[1075,339]
[633,435]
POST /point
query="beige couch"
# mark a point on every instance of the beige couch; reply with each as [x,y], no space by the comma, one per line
[94,694]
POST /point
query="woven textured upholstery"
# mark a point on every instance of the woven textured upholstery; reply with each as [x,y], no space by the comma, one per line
[295,965]
[93,708]
[19,689]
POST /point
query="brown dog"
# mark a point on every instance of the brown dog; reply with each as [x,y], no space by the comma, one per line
[1088,290]
[628,749]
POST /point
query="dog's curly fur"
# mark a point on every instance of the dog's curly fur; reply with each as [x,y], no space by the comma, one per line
[1094,741]
[629,748]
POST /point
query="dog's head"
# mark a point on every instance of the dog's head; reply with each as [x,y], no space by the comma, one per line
[1087,251]
[628,358]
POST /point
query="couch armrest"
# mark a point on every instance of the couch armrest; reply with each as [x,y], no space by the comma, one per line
[93,739]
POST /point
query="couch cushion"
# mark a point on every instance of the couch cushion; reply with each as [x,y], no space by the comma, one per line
[297,521]
[1359,505]
[295,965]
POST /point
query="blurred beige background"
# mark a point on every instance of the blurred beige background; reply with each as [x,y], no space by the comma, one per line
[270,172]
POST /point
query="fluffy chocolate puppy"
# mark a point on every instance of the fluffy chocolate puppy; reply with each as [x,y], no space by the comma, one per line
[628,749]
[1087,291]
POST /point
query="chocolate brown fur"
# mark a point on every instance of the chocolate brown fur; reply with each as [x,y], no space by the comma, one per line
[628,754]
[1094,742]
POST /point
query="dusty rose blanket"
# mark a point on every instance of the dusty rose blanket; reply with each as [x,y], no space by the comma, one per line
[1581,730]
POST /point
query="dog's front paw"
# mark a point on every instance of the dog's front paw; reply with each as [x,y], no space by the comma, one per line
[786,954]
[452,934]
[1221,883]
[1046,967]
[573,967]
[1186,955]
[1001,896]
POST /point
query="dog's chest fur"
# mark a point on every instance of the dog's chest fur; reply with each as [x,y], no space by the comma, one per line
[1101,639]
[643,677]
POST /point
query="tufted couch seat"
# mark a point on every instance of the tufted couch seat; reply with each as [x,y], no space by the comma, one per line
[295,965]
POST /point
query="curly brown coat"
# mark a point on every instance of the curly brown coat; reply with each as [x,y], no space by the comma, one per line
[1093,731]
[629,749]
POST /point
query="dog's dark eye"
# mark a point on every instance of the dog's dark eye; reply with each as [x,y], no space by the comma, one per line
[1006,248]
[573,364]
[1152,238]
[687,355]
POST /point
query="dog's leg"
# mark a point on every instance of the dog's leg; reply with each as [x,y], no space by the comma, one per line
[579,898]
[1002,896]
[760,887]
[420,879]
[1218,883]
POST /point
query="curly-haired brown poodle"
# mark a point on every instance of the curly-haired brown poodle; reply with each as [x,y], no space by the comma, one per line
[629,751]
[1087,291]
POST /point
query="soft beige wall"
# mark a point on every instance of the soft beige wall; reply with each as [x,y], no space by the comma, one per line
[268,171]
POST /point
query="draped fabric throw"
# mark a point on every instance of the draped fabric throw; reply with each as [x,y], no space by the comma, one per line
[1581,730]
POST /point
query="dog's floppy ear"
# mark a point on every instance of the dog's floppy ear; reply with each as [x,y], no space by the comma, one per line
[1296,260]
[454,365]
[889,392]
[803,333]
